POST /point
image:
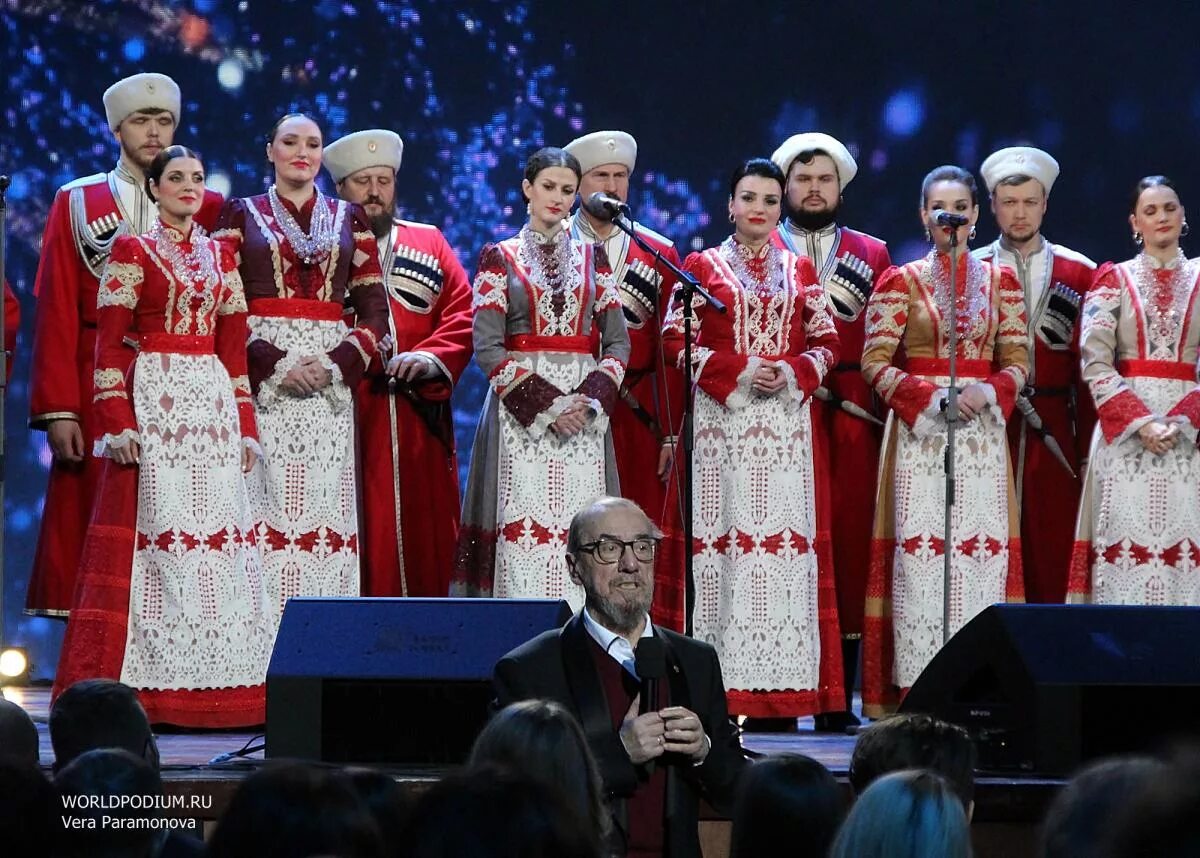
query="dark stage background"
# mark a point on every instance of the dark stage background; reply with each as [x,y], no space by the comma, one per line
[473,87]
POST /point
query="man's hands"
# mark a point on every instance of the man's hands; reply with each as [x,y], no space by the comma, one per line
[66,440]
[307,377]
[574,419]
[675,730]
[409,366]
[666,455]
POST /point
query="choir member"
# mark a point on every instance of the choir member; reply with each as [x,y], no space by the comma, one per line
[913,307]
[170,598]
[87,216]
[542,300]
[1138,536]
[1052,427]
[848,263]
[407,462]
[762,566]
[306,260]
[648,404]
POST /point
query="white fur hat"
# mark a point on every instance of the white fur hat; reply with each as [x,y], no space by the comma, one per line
[604,147]
[375,147]
[144,91]
[1019,161]
[846,167]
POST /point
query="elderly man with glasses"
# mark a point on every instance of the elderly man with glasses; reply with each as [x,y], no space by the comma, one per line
[657,756]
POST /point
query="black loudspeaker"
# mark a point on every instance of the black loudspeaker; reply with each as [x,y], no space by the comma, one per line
[1044,688]
[398,681]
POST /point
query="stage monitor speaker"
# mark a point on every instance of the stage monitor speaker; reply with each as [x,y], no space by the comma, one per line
[1044,688]
[397,681]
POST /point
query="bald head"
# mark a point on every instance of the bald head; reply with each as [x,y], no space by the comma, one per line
[588,519]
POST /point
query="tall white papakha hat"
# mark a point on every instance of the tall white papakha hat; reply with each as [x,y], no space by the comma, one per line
[375,147]
[145,91]
[1019,161]
[604,147]
[809,141]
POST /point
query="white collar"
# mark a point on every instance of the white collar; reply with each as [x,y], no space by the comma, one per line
[1007,247]
[616,646]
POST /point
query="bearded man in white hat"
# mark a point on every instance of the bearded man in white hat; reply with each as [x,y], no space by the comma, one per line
[85,218]
[818,168]
[408,466]
[1052,435]
[644,421]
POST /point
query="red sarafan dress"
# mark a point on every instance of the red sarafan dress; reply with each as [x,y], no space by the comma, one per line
[762,559]
[1138,536]
[170,598]
[910,314]
[314,289]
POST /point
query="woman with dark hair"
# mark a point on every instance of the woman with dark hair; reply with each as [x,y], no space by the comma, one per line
[541,739]
[170,597]
[762,563]
[788,805]
[543,301]
[1086,813]
[907,814]
[910,313]
[311,268]
[1139,517]
[296,810]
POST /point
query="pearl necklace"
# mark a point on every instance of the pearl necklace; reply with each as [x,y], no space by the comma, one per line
[197,268]
[972,318]
[312,246]
[1164,299]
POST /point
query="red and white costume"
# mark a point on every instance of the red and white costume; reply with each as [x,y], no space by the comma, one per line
[848,264]
[170,598]
[407,463]
[548,326]
[303,489]
[1054,280]
[762,565]
[86,218]
[1138,536]
[909,309]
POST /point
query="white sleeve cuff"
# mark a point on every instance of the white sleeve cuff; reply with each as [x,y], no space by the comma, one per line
[103,445]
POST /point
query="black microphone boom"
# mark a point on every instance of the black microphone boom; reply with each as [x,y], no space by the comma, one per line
[945,218]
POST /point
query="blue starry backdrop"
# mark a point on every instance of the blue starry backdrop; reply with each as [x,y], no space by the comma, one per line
[475,86]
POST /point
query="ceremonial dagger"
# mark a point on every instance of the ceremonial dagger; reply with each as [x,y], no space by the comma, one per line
[826,395]
[1035,423]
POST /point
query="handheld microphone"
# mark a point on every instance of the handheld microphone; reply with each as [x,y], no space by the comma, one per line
[601,204]
[945,218]
[650,662]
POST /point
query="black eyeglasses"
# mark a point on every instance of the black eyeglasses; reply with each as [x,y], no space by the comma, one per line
[609,550]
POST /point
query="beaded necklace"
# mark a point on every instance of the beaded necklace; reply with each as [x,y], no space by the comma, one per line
[973,315]
[760,273]
[1164,292]
[195,269]
[314,245]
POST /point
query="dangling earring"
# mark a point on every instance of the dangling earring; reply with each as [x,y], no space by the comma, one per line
[971,234]
[928,235]
[1137,239]
[731,220]
[529,208]
[1185,229]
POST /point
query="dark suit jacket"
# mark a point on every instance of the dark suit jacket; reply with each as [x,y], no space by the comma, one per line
[556,665]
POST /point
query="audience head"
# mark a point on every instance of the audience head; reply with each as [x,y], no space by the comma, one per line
[617,580]
[787,804]
[1079,822]
[915,741]
[388,804]
[29,809]
[906,814]
[18,734]
[99,713]
[109,772]
[541,739]
[1163,819]
[492,813]
[296,810]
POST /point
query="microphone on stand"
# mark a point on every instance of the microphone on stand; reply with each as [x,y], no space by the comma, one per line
[945,218]
[605,205]
[650,662]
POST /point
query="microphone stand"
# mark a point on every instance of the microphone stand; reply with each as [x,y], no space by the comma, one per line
[688,287]
[951,426]
[4,358]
